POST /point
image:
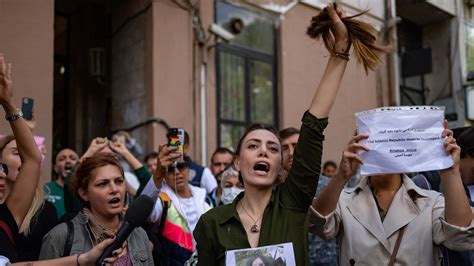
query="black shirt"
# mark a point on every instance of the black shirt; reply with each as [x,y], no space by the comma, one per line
[28,247]
[8,231]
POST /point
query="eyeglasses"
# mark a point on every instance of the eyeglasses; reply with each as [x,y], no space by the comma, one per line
[180,166]
[4,168]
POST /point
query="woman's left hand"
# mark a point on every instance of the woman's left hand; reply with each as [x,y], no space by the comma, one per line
[450,146]
[339,30]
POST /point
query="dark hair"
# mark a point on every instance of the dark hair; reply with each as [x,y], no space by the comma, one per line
[62,149]
[151,155]
[87,169]
[253,128]
[221,150]
[466,142]
[265,259]
[288,132]
[329,163]
[362,35]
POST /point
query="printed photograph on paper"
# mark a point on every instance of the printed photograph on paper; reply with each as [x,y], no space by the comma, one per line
[275,255]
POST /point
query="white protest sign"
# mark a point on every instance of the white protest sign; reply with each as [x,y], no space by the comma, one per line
[403,139]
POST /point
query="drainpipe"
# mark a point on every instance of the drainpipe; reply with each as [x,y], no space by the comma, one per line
[203,114]
[394,65]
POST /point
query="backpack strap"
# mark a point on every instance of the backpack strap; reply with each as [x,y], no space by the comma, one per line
[69,238]
[166,203]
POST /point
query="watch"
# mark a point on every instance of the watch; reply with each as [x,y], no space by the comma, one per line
[14,117]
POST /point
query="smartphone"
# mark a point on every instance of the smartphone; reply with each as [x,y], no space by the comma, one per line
[176,139]
[27,108]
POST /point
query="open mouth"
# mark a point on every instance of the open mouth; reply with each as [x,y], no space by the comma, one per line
[262,166]
[114,200]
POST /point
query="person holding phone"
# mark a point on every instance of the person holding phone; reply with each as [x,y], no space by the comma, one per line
[27,108]
[178,209]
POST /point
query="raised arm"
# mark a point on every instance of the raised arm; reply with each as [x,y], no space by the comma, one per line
[97,145]
[332,77]
[457,210]
[165,159]
[126,154]
[327,200]
[304,174]
[23,192]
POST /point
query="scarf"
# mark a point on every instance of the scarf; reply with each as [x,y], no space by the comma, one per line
[98,232]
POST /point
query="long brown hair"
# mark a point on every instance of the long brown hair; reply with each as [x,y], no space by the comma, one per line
[361,34]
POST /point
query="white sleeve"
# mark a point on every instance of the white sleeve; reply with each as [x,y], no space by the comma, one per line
[208,181]
[155,215]
[326,227]
[451,236]
[4,261]
[153,192]
[132,181]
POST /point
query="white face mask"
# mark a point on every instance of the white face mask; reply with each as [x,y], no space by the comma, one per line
[229,194]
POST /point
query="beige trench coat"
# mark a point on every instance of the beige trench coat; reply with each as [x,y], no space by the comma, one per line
[365,240]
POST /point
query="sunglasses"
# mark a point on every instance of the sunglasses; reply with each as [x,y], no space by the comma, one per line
[4,168]
[180,166]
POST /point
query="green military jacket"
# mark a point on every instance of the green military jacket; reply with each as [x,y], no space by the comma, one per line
[284,220]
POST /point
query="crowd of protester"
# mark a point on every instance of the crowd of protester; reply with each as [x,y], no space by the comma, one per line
[270,189]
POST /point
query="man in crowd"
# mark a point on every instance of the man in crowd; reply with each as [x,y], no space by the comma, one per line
[466,164]
[329,169]
[64,164]
[289,137]
[220,160]
[199,175]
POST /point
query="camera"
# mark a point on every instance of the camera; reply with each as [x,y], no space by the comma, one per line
[221,32]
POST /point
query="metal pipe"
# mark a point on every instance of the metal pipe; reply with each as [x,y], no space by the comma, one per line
[203,114]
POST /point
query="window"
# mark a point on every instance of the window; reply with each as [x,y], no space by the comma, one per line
[246,87]
[469,46]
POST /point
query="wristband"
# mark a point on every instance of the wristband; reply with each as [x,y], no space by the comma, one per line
[14,117]
[344,56]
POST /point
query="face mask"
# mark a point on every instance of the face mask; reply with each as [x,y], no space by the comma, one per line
[229,194]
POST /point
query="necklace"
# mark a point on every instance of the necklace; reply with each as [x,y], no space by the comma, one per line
[254,228]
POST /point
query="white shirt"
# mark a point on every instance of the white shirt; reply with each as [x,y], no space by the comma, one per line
[208,181]
[4,260]
[188,208]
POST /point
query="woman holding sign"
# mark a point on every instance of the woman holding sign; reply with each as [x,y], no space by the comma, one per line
[387,218]
[265,215]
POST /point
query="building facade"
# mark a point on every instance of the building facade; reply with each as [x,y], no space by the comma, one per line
[97,66]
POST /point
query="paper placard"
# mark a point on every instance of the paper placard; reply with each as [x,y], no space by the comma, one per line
[403,139]
[279,254]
